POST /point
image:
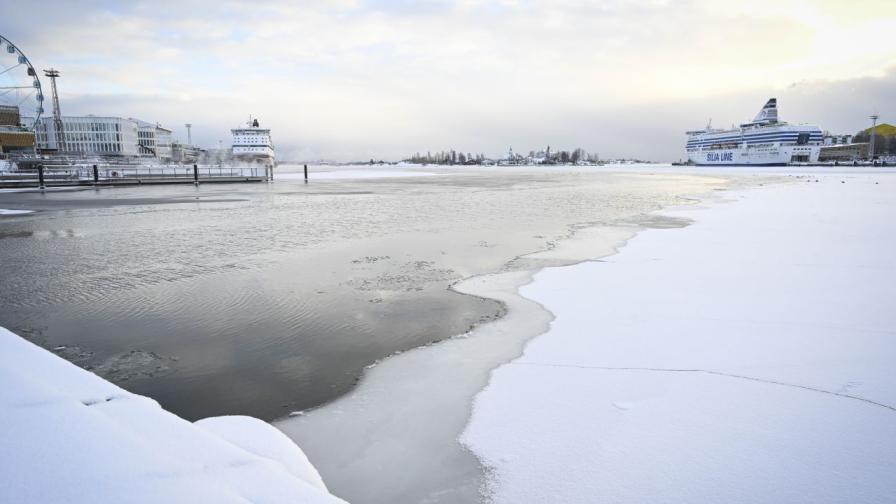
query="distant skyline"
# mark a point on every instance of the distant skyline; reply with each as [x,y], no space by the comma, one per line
[353,80]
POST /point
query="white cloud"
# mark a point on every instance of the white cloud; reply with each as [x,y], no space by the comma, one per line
[357,79]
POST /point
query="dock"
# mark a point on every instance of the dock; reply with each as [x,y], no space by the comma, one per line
[112,175]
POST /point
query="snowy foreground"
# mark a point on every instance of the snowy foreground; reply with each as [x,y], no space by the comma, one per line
[748,357]
[70,436]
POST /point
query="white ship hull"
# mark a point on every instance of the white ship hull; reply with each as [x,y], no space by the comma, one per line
[261,153]
[768,156]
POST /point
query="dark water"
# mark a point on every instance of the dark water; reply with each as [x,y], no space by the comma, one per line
[263,299]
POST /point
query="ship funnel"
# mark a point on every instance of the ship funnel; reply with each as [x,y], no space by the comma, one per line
[768,114]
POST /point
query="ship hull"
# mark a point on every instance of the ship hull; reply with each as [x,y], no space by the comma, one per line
[767,156]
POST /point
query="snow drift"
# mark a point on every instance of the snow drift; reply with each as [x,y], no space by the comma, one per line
[70,436]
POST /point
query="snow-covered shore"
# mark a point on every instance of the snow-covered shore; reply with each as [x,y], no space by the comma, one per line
[67,435]
[745,358]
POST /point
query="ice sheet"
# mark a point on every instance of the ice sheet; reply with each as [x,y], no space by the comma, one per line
[745,358]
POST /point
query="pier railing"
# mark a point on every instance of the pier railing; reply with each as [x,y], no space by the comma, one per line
[110,174]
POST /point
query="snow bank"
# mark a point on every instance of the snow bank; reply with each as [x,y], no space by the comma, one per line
[745,358]
[70,436]
[5,211]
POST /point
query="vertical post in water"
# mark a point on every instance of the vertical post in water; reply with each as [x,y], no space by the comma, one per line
[40,176]
[96,175]
[195,175]
[306,174]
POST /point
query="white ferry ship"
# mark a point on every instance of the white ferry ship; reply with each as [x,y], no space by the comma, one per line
[763,141]
[252,143]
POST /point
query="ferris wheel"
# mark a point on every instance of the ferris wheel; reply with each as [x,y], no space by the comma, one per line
[20,91]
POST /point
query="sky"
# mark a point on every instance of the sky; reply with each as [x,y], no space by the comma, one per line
[347,80]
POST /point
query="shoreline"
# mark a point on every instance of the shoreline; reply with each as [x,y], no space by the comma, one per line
[412,382]
[274,298]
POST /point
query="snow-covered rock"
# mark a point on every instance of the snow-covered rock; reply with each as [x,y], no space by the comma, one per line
[70,436]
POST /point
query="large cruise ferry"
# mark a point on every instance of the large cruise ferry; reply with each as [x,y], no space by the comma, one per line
[763,141]
[252,143]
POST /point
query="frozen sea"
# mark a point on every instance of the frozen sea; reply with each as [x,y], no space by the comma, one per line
[265,299]
[434,332]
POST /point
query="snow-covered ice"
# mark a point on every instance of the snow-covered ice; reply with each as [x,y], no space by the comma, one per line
[67,435]
[294,172]
[745,358]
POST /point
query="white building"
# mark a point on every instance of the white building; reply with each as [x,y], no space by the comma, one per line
[153,140]
[106,136]
[95,135]
[181,153]
[830,139]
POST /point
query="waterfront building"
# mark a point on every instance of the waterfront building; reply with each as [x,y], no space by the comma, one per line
[90,135]
[844,152]
[830,139]
[182,153]
[153,140]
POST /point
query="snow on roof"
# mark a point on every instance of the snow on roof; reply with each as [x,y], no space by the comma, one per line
[70,436]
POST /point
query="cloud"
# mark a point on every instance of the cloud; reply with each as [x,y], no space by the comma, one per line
[359,79]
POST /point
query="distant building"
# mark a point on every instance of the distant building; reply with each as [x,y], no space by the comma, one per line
[830,139]
[844,153]
[182,153]
[153,140]
[90,135]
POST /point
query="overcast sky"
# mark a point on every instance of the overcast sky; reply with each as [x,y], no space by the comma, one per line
[351,80]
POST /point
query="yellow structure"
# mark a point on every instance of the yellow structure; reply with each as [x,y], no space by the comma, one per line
[12,135]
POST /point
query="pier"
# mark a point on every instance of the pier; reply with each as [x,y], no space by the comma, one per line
[43,176]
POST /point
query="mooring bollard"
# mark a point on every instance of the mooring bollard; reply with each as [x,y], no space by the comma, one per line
[40,176]
[306,174]
[96,175]
[195,175]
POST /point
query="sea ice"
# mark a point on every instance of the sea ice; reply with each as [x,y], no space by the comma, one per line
[354,172]
[745,358]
